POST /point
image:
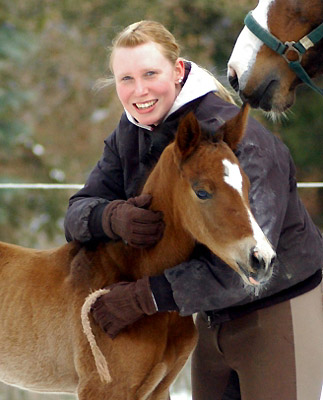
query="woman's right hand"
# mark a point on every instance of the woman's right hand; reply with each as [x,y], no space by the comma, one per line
[133,222]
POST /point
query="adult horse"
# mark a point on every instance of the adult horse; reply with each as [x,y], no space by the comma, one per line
[266,75]
[42,343]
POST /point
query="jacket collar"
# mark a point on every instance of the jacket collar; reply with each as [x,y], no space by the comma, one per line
[199,82]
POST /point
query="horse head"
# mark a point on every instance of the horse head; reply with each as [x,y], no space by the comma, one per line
[209,195]
[264,77]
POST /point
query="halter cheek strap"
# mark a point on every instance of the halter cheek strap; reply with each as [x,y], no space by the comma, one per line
[284,49]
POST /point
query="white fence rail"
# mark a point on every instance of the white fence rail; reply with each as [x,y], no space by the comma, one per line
[79,186]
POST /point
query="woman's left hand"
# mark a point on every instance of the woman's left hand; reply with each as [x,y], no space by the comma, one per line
[123,305]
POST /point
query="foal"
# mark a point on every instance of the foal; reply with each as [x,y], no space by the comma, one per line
[203,193]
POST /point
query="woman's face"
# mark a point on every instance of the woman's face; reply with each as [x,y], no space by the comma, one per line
[146,81]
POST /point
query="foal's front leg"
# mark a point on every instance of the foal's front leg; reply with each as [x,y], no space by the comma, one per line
[94,389]
[182,339]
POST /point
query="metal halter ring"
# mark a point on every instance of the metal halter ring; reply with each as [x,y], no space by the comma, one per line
[291,48]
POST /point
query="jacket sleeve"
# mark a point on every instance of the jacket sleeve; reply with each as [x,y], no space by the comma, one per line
[205,282]
[104,184]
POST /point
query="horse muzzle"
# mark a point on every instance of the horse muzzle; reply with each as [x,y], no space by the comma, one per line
[267,92]
[259,269]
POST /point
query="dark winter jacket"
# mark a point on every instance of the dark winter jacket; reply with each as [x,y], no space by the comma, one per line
[205,283]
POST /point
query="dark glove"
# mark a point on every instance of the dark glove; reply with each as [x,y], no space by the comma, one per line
[133,222]
[123,305]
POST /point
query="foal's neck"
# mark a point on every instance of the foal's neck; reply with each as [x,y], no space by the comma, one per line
[177,244]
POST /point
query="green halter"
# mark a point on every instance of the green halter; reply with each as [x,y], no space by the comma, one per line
[284,48]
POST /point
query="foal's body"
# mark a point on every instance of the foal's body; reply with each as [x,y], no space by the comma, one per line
[42,344]
[41,329]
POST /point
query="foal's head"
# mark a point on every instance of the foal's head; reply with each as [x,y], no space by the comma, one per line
[211,197]
[262,76]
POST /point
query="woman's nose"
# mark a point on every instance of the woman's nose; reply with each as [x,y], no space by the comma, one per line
[140,88]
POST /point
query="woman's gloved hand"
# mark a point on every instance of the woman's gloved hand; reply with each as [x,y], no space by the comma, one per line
[133,222]
[123,305]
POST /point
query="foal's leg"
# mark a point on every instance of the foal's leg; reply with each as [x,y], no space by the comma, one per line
[94,389]
[162,390]
[179,348]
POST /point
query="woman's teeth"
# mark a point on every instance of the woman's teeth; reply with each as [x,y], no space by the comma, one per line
[148,104]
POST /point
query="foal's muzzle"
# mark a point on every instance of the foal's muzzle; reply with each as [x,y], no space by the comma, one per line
[261,268]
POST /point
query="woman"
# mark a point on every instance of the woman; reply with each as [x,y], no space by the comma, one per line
[261,338]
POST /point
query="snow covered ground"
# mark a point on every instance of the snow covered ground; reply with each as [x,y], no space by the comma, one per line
[181,396]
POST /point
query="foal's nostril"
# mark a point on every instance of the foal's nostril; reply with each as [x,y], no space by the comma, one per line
[257,263]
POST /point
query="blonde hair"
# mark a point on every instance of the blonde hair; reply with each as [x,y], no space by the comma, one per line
[146,31]
[143,32]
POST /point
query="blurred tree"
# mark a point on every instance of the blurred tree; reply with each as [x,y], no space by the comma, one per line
[14,45]
[18,151]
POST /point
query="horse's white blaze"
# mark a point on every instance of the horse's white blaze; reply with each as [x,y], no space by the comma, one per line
[233,177]
[247,45]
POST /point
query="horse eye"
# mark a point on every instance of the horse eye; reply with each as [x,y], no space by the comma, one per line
[203,194]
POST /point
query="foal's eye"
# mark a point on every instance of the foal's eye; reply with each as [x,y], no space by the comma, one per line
[203,194]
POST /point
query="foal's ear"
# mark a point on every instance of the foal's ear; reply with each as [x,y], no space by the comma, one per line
[233,130]
[188,136]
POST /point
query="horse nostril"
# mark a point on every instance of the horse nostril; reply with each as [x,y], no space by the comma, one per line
[233,79]
[257,263]
[234,82]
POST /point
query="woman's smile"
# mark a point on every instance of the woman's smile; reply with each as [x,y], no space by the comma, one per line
[146,106]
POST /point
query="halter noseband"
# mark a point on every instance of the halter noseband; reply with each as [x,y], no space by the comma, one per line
[283,49]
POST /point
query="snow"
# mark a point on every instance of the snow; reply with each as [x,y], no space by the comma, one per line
[181,396]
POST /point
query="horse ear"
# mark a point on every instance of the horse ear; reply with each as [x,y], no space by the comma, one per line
[188,136]
[233,130]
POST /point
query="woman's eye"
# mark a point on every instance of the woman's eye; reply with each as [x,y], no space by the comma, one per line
[126,78]
[150,73]
[203,194]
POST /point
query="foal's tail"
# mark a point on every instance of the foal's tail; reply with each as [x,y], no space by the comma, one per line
[100,361]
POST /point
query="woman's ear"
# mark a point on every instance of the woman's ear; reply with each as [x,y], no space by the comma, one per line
[179,70]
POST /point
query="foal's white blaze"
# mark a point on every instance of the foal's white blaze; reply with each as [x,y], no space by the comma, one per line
[232,175]
[247,46]
[263,249]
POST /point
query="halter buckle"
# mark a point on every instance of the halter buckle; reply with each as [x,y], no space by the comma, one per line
[290,48]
